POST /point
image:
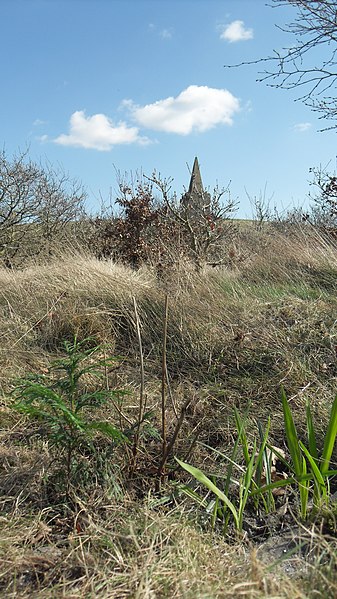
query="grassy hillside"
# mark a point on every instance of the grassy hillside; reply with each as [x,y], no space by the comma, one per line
[122,526]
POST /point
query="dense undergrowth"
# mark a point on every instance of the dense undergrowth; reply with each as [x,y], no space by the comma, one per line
[121,526]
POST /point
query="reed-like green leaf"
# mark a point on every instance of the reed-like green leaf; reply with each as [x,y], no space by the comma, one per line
[292,437]
[330,438]
[260,458]
[264,465]
[311,433]
[260,465]
[315,470]
[189,492]
[284,482]
[304,490]
[204,480]
[245,486]
[280,457]
[320,483]
[242,435]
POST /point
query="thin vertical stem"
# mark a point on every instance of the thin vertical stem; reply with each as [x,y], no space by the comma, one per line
[163,380]
[68,467]
[142,402]
[175,435]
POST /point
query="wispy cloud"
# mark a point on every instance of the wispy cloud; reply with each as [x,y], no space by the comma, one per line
[39,122]
[302,127]
[166,34]
[98,132]
[236,32]
[197,108]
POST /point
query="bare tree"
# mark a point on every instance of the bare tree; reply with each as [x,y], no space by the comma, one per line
[324,210]
[262,209]
[62,203]
[36,204]
[207,228]
[18,185]
[309,64]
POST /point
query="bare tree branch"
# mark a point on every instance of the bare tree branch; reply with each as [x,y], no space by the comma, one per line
[207,225]
[36,202]
[310,62]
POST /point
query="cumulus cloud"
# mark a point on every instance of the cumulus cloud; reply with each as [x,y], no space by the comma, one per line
[236,32]
[197,108]
[302,127]
[98,132]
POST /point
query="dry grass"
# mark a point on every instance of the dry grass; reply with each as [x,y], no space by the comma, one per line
[234,335]
[131,551]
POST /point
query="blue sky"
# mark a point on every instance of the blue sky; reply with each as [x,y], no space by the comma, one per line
[137,85]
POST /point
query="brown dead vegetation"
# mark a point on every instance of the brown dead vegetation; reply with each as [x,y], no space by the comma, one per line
[234,335]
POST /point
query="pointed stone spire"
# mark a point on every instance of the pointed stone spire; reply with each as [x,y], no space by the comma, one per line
[196,185]
[196,201]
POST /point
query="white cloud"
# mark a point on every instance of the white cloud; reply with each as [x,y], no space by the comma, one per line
[166,34]
[302,127]
[236,32]
[39,122]
[98,132]
[197,108]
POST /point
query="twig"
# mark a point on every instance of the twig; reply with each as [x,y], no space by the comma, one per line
[142,398]
[163,380]
[174,436]
[194,440]
[107,386]
[300,392]
[169,390]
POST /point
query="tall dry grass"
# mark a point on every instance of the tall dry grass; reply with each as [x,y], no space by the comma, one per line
[234,335]
[240,331]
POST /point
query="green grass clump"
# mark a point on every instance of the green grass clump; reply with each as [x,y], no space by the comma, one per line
[308,468]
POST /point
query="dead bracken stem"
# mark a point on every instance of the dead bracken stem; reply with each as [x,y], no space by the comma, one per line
[142,398]
[169,392]
[115,405]
[170,446]
[163,380]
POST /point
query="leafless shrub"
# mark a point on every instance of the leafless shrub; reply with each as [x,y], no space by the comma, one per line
[324,210]
[206,226]
[37,204]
